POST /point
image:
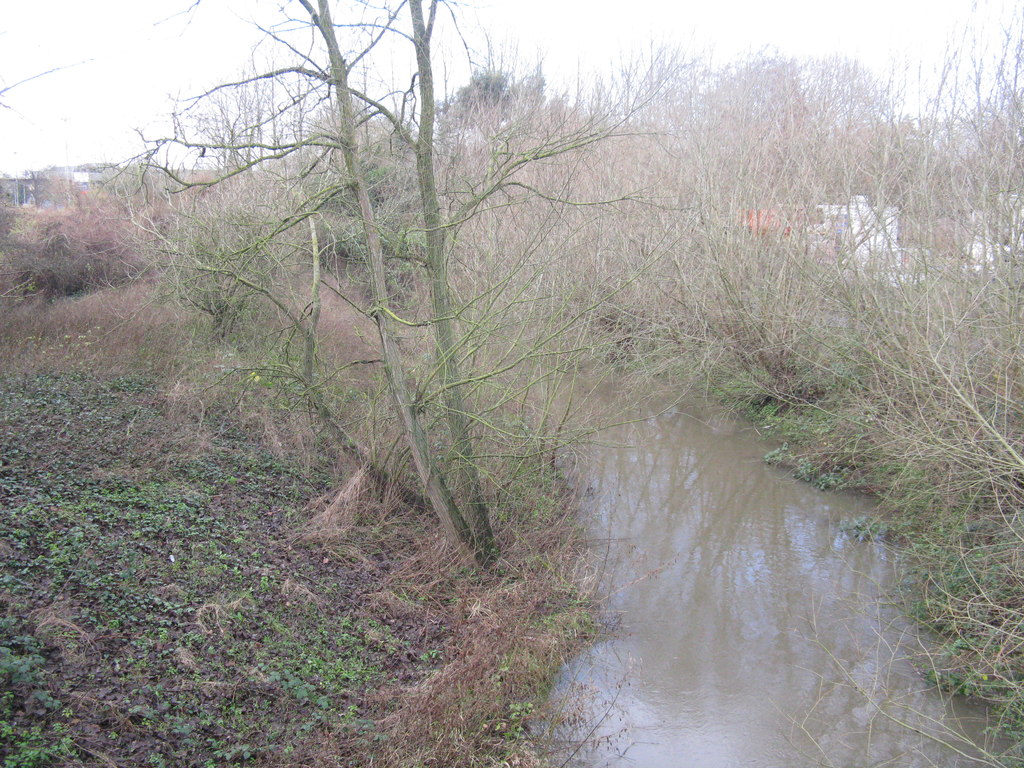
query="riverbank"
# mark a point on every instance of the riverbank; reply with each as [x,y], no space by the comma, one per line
[905,384]
[750,628]
[190,576]
[960,572]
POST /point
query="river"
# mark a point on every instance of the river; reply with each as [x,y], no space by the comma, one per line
[746,629]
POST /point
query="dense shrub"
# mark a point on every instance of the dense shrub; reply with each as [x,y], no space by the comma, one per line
[66,252]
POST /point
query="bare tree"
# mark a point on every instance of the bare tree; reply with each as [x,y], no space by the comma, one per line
[327,155]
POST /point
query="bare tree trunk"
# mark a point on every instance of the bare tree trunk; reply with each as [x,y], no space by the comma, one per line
[309,354]
[467,476]
[437,490]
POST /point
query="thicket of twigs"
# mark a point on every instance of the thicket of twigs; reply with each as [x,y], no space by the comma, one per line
[850,272]
[794,234]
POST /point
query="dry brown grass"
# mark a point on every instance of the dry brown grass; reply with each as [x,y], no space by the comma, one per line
[55,623]
[354,502]
[508,635]
[118,331]
[212,616]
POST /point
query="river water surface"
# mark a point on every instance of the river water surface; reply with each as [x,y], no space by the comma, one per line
[750,631]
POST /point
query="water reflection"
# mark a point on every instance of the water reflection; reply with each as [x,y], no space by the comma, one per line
[751,633]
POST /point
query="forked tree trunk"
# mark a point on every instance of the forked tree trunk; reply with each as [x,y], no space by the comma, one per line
[437,491]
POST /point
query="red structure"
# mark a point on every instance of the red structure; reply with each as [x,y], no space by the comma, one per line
[767,221]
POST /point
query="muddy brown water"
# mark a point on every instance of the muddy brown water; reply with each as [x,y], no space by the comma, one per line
[748,629]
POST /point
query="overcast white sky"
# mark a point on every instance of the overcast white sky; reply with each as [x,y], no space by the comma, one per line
[127,59]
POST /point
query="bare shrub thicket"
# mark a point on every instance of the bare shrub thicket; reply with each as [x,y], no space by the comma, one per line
[364,194]
[232,245]
[811,242]
[68,251]
[549,305]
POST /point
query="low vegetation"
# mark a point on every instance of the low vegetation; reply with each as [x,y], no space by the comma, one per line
[189,576]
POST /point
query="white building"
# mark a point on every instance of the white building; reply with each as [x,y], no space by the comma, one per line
[997,233]
[857,230]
